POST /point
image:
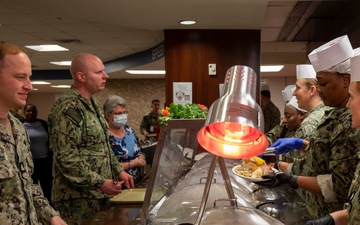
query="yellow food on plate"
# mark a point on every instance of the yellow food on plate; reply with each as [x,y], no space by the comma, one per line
[252,162]
[254,167]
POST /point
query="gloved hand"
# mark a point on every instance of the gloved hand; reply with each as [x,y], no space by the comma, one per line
[326,220]
[278,179]
[284,145]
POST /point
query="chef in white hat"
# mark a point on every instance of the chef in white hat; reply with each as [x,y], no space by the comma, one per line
[351,213]
[331,156]
[287,93]
[307,98]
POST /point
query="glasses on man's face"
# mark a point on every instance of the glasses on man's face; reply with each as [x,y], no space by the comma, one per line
[120,113]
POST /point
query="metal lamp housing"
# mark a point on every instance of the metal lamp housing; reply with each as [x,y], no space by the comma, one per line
[234,125]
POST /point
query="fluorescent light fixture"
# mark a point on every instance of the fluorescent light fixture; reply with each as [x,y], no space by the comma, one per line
[187,22]
[60,86]
[271,68]
[62,63]
[47,48]
[39,82]
[35,89]
[145,71]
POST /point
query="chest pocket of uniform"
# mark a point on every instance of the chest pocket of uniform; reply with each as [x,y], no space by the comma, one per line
[94,138]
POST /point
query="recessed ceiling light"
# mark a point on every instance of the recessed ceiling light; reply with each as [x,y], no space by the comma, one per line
[60,86]
[62,63]
[271,68]
[47,48]
[145,71]
[35,89]
[187,22]
[39,82]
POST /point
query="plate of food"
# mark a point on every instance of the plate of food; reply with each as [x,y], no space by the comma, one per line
[253,169]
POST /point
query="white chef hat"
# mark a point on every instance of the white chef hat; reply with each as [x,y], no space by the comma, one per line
[333,56]
[287,93]
[355,65]
[305,71]
[294,103]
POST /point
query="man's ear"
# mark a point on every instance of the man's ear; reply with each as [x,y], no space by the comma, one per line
[346,79]
[80,76]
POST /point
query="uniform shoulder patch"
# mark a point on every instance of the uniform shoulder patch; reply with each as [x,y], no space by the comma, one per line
[74,114]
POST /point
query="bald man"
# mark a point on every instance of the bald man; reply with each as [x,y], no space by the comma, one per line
[86,171]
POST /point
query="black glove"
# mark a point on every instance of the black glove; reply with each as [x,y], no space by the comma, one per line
[326,220]
[278,179]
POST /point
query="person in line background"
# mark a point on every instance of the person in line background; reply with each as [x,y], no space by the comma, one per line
[123,139]
[149,123]
[331,157]
[21,201]
[37,130]
[271,112]
[86,172]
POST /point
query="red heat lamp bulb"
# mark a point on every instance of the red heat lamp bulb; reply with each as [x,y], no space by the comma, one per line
[232,140]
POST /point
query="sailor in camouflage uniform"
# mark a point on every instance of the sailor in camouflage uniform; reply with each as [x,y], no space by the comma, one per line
[331,158]
[307,98]
[351,214]
[85,169]
[270,111]
[21,201]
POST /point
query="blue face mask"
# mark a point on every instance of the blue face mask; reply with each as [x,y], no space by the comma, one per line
[120,120]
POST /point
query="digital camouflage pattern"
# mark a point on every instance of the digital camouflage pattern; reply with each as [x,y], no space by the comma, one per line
[304,131]
[79,139]
[149,123]
[354,197]
[306,128]
[21,201]
[78,210]
[332,150]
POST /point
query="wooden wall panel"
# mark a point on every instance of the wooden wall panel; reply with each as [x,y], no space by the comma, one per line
[188,53]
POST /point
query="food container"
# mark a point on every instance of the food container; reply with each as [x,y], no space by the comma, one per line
[186,201]
[230,215]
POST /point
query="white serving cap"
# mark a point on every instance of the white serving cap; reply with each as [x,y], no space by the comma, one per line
[287,93]
[294,103]
[333,56]
[355,65]
[305,71]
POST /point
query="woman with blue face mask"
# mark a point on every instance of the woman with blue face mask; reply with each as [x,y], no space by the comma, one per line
[123,140]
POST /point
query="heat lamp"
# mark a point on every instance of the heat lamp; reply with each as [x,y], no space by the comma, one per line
[233,127]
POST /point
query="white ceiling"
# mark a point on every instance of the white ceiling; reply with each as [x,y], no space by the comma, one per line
[112,29]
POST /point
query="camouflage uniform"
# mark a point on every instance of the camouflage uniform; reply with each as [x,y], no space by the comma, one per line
[149,123]
[332,151]
[354,196]
[21,201]
[279,131]
[306,128]
[271,116]
[83,158]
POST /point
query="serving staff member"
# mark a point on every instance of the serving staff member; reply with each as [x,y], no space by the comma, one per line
[351,214]
[331,158]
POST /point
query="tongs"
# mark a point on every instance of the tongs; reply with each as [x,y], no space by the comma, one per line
[269,151]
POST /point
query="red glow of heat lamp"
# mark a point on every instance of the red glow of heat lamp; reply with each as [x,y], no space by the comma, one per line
[232,140]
